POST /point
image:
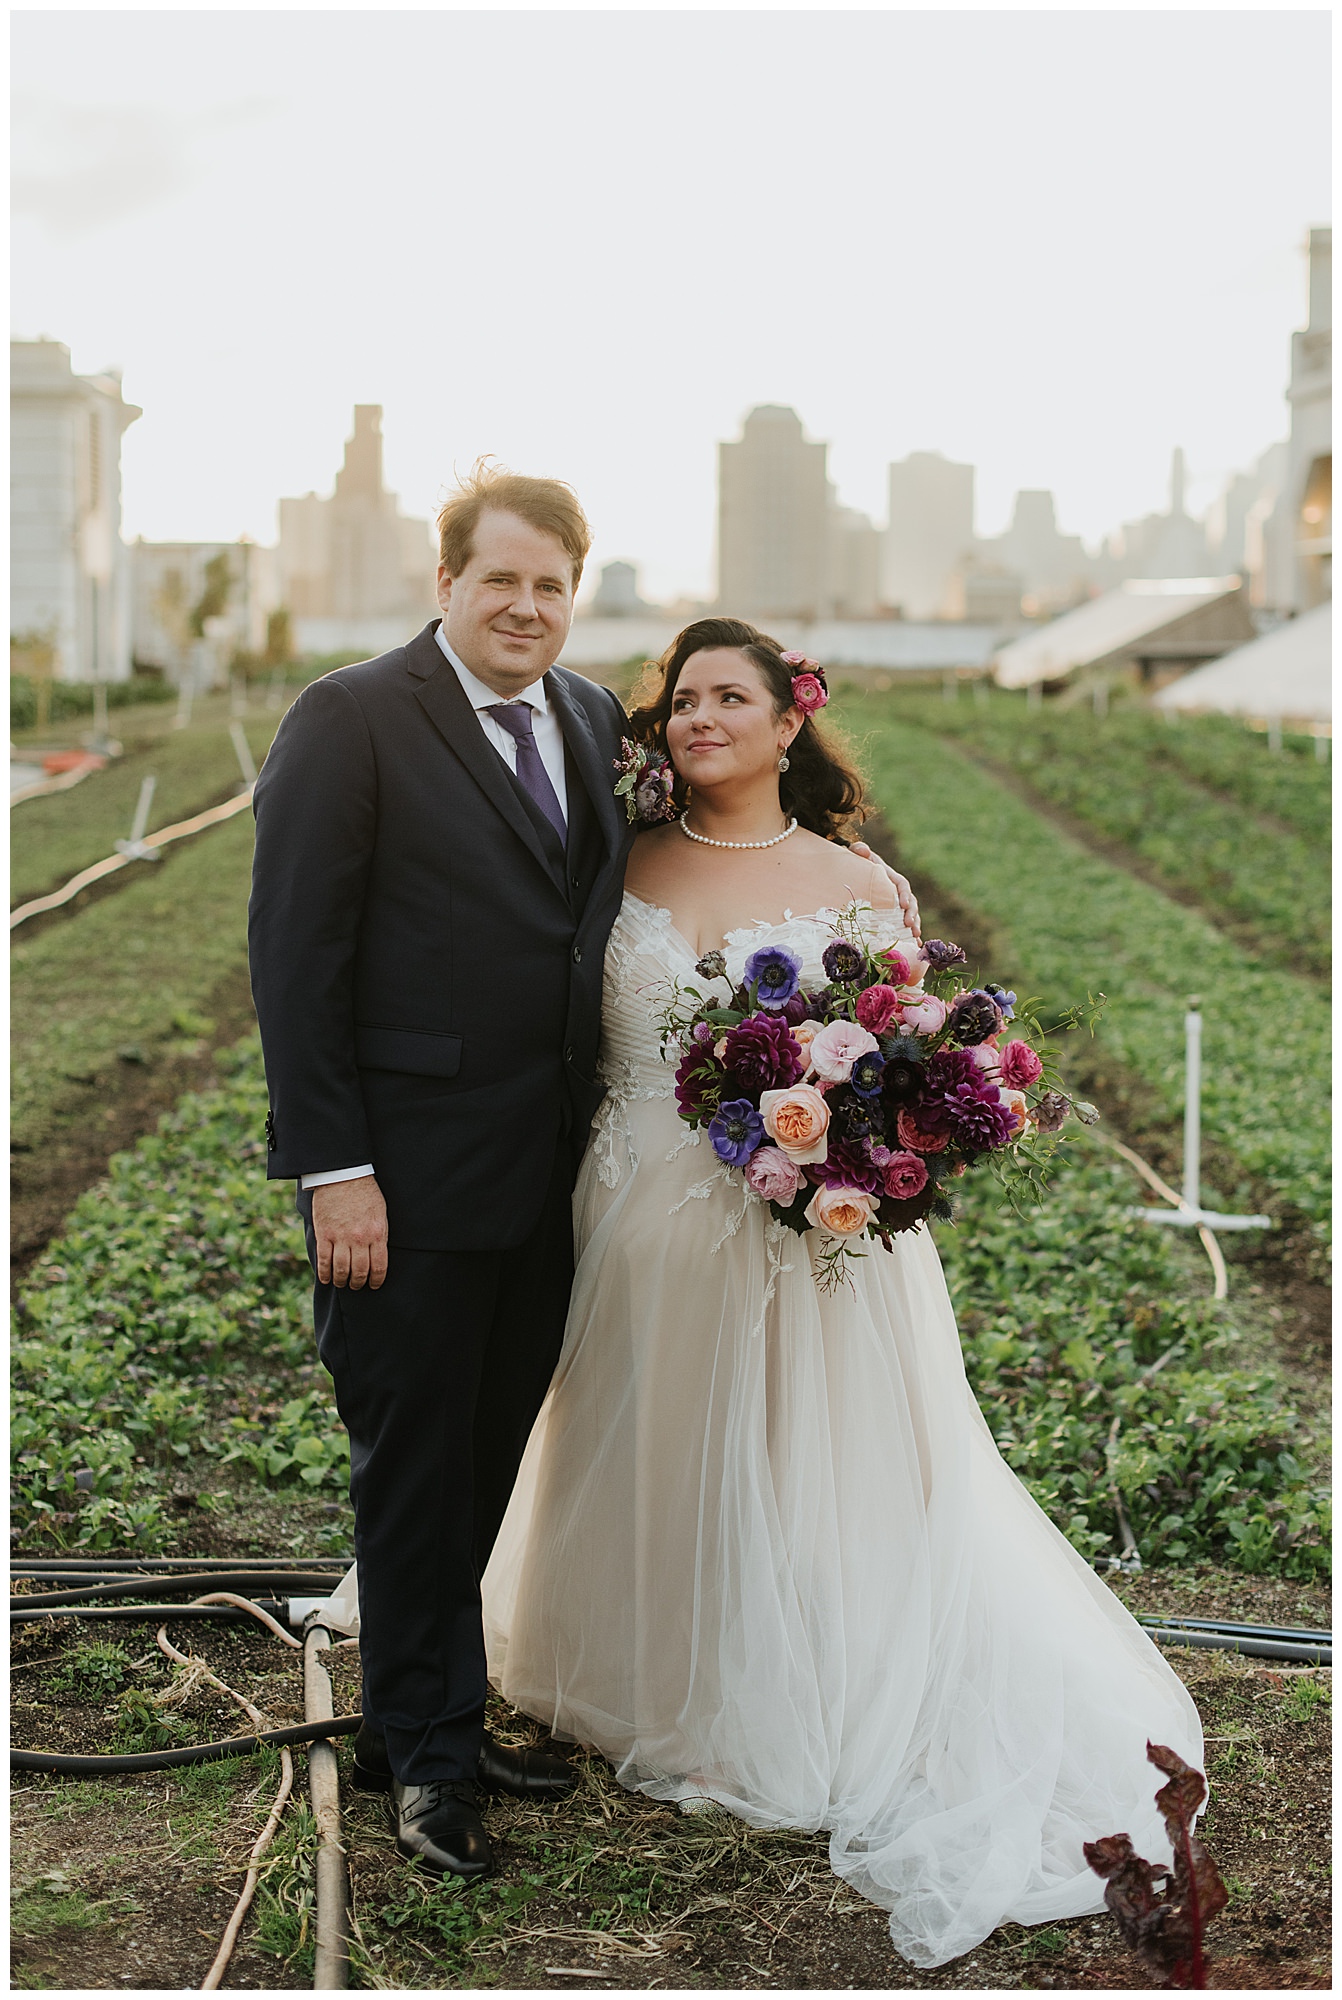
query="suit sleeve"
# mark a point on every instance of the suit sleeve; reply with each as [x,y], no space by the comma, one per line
[316,820]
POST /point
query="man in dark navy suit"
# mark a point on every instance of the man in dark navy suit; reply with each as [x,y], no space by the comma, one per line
[439,860]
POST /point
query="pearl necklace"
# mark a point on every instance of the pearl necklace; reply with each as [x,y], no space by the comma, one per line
[684,824]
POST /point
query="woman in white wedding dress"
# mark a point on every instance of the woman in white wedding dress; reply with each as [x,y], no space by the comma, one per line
[762,1549]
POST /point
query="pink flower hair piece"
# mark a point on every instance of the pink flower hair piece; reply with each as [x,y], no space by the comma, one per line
[809,692]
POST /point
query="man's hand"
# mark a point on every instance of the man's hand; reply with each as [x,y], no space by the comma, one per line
[908,902]
[349,1220]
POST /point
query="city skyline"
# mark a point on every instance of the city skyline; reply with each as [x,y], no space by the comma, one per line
[914,257]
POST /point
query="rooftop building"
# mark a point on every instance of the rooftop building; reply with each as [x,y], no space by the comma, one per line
[353,569]
[1144,633]
[930,533]
[69,577]
[774,527]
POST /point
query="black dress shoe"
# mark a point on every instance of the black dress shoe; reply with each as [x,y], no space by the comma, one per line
[372,1767]
[439,1824]
[523,1774]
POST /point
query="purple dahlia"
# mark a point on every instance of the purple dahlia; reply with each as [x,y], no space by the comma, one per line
[846,1164]
[961,1101]
[698,1083]
[761,1054]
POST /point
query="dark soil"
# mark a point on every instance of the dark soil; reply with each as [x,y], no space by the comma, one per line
[612,1890]
[123,1105]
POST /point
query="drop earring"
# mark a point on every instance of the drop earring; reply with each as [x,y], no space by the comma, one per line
[784,761]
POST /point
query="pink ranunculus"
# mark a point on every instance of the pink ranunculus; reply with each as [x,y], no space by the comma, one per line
[904,1177]
[797,1121]
[904,965]
[837,1047]
[1016,1104]
[986,1056]
[1020,1066]
[843,1211]
[772,1175]
[808,693]
[877,1007]
[918,1141]
[926,1015]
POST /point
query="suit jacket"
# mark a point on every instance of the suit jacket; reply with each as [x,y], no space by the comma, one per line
[426,955]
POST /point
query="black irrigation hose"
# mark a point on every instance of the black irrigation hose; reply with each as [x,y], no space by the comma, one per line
[191,1583]
[1258,1649]
[116,1565]
[149,1614]
[192,1753]
[1294,1632]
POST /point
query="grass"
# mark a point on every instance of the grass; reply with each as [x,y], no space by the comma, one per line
[1065,923]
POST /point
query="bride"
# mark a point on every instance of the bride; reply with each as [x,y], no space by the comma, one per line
[762,1550]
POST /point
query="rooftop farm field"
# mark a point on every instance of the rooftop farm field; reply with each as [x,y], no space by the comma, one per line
[166,1399]
[1067,919]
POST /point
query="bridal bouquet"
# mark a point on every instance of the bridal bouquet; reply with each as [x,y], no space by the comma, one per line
[848,1109]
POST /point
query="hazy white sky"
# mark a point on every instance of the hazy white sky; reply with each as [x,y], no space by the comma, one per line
[1052,244]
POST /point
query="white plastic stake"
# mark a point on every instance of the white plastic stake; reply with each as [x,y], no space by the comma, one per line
[1190,1213]
[142,806]
[239,694]
[1100,700]
[1192,1105]
[1274,732]
[1321,746]
[1035,695]
[275,695]
[948,687]
[135,848]
[246,762]
[185,696]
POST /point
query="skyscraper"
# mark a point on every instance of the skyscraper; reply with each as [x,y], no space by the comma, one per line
[774,520]
[355,555]
[931,532]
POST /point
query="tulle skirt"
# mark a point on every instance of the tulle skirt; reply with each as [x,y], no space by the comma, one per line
[763,1549]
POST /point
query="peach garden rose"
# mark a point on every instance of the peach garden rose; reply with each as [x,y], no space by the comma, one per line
[843,1211]
[797,1120]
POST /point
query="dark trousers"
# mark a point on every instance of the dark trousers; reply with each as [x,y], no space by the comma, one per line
[439,1376]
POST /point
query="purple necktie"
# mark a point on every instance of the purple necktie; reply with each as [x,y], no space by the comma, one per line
[515,717]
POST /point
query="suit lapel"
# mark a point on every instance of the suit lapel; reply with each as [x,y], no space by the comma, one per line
[443,698]
[598,780]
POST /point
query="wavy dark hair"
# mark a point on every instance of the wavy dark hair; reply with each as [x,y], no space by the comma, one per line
[820,786]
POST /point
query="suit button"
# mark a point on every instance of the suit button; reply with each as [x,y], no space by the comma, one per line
[577,954]
[574,880]
[568,1053]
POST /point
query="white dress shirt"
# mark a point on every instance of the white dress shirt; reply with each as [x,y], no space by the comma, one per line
[549,741]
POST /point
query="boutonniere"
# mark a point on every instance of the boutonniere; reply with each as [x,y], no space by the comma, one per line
[647,779]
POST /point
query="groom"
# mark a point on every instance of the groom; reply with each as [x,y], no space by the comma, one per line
[439,859]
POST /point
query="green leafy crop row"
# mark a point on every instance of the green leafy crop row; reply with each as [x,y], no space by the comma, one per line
[171,1322]
[1062,1313]
[1071,923]
[1124,777]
